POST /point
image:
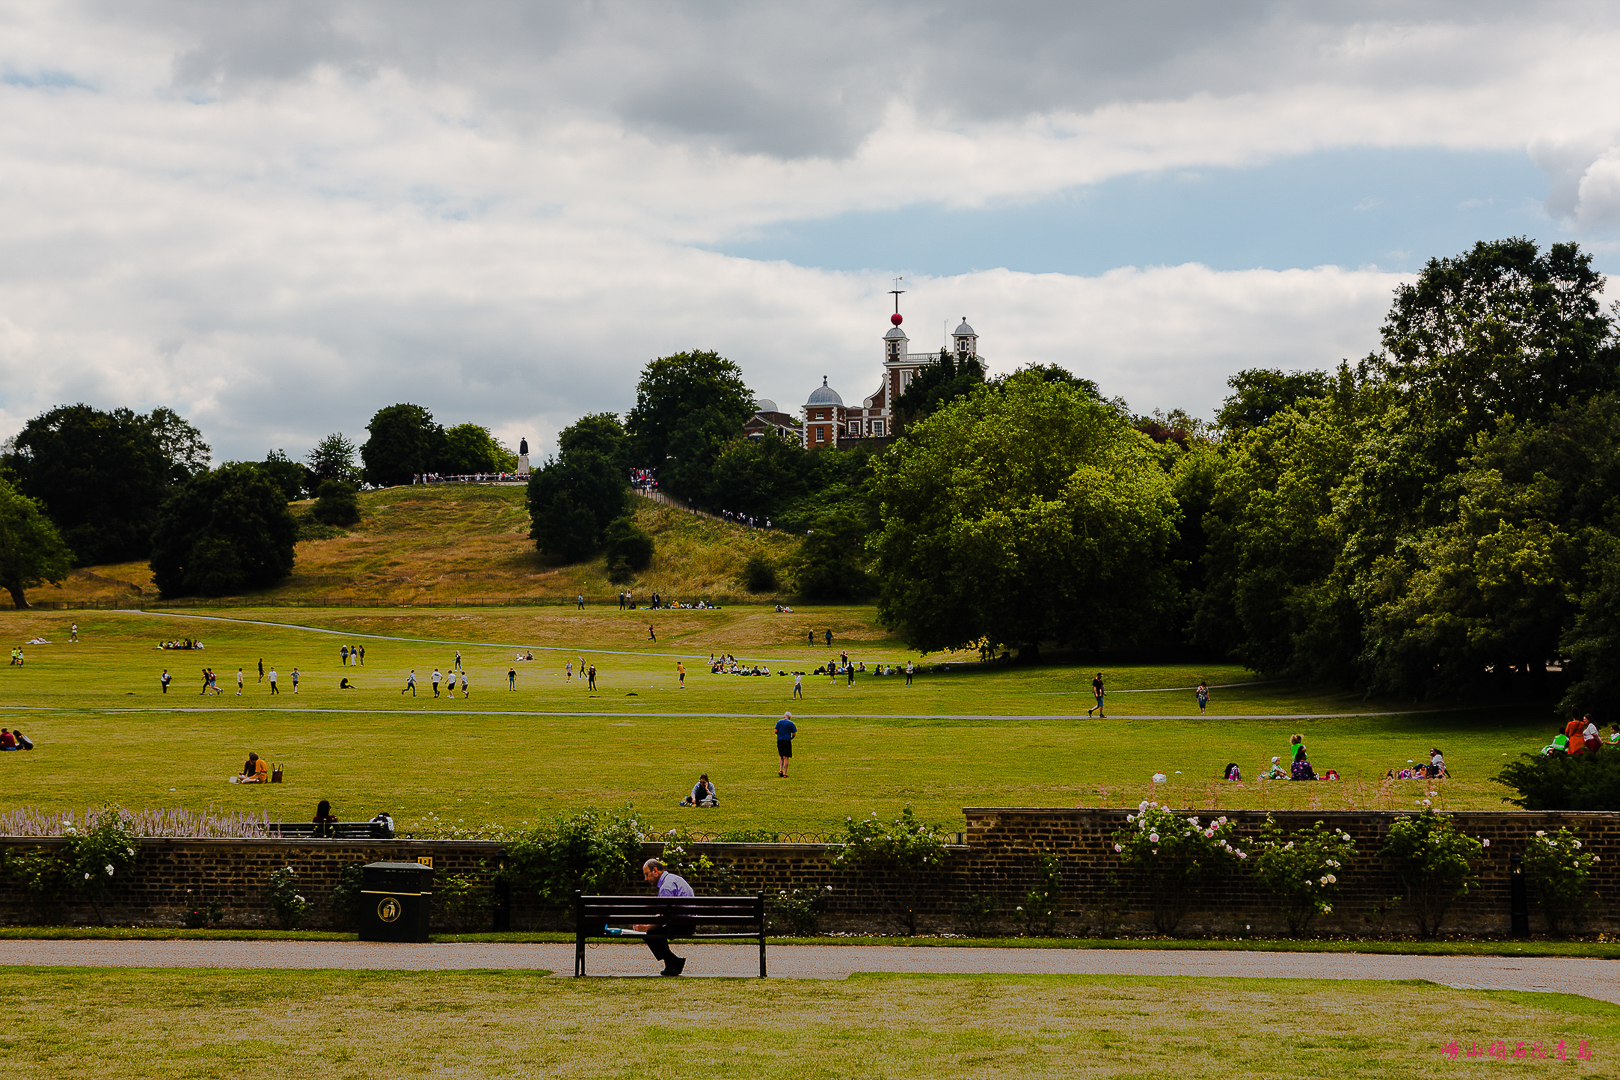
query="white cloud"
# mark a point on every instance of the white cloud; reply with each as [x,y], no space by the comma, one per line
[278,218]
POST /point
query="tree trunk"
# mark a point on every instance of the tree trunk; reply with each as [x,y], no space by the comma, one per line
[17,597]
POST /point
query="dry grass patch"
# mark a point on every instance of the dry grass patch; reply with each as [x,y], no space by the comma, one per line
[115,1024]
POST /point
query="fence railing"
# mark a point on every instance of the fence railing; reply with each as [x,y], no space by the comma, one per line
[151,604]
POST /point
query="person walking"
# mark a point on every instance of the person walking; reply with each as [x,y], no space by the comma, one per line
[274,689]
[436,677]
[785,730]
[568,671]
[239,681]
[261,669]
[1203,697]
[911,669]
[829,639]
[295,680]
[810,637]
[849,670]
[592,677]
[343,656]
[456,666]
[73,635]
[163,680]
[464,694]
[659,933]
[410,684]
[581,599]
[1097,692]
[511,677]
[680,669]
[798,685]
[652,634]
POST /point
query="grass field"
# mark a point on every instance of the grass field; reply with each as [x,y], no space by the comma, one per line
[205,1024]
[458,542]
[1015,736]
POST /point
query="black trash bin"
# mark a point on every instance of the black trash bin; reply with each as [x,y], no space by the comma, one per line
[395,898]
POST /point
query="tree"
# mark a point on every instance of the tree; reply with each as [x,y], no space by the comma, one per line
[470,448]
[599,432]
[687,407]
[404,442]
[101,476]
[936,383]
[1258,394]
[761,477]
[337,503]
[333,459]
[223,532]
[31,551]
[1022,513]
[285,473]
[629,548]
[831,564]
[572,500]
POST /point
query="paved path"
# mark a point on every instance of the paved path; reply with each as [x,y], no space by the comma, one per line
[1598,979]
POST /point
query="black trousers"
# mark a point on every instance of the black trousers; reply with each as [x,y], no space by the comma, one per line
[658,939]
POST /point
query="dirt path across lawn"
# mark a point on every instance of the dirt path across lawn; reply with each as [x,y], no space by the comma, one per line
[1592,978]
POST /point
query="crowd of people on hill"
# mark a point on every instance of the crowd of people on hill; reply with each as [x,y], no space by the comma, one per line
[182,643]
[752,521]
[465,478]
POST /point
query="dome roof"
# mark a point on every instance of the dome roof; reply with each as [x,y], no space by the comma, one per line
[824,395]
[896,334]
[963,329]
[765,404]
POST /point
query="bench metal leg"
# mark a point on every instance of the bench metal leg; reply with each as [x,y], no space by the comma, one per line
[579,957]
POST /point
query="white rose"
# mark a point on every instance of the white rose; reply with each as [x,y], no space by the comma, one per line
[1153,837]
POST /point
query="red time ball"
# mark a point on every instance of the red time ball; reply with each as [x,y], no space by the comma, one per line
[895,318]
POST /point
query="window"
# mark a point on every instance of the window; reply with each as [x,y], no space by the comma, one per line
[821,434]
[854,429]
[877,428]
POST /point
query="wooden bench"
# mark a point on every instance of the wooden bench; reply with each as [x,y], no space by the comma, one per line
[340,830]
[735,917]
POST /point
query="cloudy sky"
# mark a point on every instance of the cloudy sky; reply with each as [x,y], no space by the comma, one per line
[279,218]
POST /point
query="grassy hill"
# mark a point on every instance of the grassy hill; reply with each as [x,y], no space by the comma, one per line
[463,542]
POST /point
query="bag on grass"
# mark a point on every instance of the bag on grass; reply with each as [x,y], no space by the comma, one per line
[275,775]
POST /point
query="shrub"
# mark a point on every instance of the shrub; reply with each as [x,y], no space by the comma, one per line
[628,544]
[1560,782]
[289,904]
[1301,871]
[1435,864]
[337,503]
[1174,857]
[759,575]
[978,913]
[344,899]
[463,903]
[94,857]
[1556,872]
[1039,909]
[904,850]
[589,851]
[802,908]
[201,913]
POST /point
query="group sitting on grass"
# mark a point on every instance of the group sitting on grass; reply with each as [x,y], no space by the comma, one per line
[1434,770]
[1299,768]
[1580,737]
[182,643]
[14,740]
[255,771]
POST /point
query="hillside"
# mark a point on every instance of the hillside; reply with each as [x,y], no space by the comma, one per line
[456,542]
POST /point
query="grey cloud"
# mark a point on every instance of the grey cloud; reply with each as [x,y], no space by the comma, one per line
[814,79]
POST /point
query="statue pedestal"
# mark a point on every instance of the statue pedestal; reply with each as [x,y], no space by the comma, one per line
[523,465]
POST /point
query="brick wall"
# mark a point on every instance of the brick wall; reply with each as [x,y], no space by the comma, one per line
[997,859]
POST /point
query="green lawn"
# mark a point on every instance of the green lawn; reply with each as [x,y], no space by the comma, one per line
[1004,737]
[113,1024]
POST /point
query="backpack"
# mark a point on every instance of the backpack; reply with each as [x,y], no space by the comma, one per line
[1233,772]
[24,741]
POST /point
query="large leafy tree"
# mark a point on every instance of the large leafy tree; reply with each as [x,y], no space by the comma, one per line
[404,441]
[935,384]
[1025,512]
[598,432]
[470,448]
[763,476]
[31,551]
[1258,394]
[102,475]
[688,406]
[572,500]
[221,532]
[332,459]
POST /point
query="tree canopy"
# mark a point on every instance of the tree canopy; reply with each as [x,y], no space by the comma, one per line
[404,442]
[572,501]
[687,407]
[936,383]
[470,448]
[332,459]
[31,551]
[102,475]
[222,532]
[1023,513]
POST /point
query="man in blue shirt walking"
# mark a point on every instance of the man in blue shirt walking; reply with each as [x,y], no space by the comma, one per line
[659,933]
[785,730]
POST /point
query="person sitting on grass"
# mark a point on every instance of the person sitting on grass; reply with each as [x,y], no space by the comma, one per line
[347,685]
[1275,772]
[1437,765]
[702,794]
[1559,745]
[1301,768]
[255,771]
[8,741]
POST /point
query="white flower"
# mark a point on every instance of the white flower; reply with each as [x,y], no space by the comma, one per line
[1153,837]
[1541,832]
[1309,883]
[1142,805]
[109,869]
[1209,833]
[1288,846]
[1425,802]
[1596,859]
[1332,879]
[1129,818]
[1119,847]
[1487,843]
[87,877]
[1577,844]
[1326,908]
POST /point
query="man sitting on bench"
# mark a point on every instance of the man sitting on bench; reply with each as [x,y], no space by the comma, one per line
[659,933]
